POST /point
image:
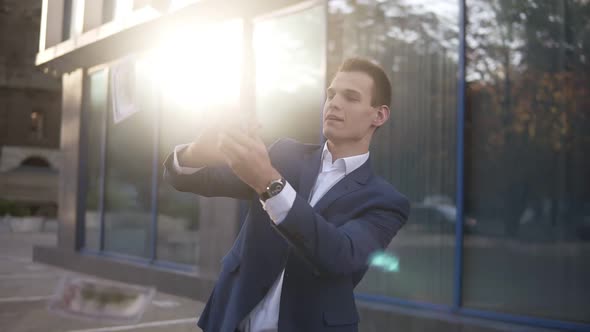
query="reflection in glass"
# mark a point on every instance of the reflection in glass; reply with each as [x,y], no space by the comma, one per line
[417,46]
[77,21]
[289,52]
[527,163]
[96,109]
[128,192]
[108,10]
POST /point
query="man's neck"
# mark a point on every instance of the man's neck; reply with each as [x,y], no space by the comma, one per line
[343,150]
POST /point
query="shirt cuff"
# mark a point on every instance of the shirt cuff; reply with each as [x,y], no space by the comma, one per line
[183,169]
[279,206]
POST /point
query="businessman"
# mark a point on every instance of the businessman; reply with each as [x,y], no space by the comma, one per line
[316,213]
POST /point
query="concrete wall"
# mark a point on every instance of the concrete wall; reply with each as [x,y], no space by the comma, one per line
[23,88]
[16,106]
[30,187]
[20,22]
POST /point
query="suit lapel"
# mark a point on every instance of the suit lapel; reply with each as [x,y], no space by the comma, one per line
[348,184]
[309,172]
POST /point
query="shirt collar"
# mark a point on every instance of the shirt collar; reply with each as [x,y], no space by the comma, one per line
[347,164]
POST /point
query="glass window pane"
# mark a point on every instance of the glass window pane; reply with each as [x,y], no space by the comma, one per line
[96,112]
[108,10]
[122,9]
[416,150]
[289,52]
[527,163]
[128,186]
[178,212]
[73,18]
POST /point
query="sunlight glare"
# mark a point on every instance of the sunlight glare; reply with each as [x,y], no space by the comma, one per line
[198,68]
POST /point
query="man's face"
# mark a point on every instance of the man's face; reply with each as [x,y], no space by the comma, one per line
[348,115]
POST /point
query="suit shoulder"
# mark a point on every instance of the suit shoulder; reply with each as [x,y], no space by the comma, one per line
[386,186]
[391,194]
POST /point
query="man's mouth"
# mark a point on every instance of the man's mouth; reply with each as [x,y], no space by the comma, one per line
[333,118]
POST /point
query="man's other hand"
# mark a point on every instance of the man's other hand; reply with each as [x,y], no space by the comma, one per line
[247,156]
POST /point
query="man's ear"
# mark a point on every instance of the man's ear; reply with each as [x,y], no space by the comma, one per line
[381,116]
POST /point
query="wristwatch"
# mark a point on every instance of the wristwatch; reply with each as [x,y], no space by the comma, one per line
[273,189]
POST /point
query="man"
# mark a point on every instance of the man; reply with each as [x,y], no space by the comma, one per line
[316,213]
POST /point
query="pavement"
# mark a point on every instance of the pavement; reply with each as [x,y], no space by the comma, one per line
[26,286]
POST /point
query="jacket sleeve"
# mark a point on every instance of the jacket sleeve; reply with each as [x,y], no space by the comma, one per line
[208,181]
[343,250]
[219,181]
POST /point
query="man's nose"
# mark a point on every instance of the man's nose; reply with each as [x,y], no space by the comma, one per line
[335,103]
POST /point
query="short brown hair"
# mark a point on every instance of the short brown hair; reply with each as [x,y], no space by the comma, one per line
[381,84]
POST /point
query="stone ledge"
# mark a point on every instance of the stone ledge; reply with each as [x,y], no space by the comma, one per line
[374,316]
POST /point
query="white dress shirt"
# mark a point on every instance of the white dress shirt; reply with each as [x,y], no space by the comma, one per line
[265,316]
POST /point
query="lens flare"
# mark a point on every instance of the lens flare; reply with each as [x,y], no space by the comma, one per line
[198,67]
[384,261]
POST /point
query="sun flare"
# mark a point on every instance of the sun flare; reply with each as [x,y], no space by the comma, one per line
[198,68]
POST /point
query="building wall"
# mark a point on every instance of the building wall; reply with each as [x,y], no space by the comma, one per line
[23,87]
[30,109]
[17,104]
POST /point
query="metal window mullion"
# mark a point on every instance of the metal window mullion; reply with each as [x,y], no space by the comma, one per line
[324,68]
[80,239]
[155,172]
[458,268]
[103,161]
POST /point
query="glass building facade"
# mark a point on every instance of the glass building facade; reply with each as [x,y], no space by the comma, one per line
[489,138]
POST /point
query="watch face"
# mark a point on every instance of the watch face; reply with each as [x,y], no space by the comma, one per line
[275,188]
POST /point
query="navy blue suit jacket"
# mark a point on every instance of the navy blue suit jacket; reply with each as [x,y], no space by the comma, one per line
[324,249]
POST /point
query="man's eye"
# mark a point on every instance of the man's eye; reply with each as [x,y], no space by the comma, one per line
[351,98]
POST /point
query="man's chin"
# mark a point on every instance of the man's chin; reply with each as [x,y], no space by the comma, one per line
[332,136]
[329,134]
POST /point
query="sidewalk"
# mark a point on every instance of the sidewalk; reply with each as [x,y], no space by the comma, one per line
[25,287]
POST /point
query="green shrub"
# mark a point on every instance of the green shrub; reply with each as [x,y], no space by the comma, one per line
[13,209]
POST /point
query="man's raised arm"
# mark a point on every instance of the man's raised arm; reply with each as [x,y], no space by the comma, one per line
[200,168]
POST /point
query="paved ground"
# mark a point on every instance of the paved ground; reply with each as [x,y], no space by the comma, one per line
[25,287]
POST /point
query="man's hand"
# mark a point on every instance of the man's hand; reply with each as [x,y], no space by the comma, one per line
[203,151]
[246,155]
